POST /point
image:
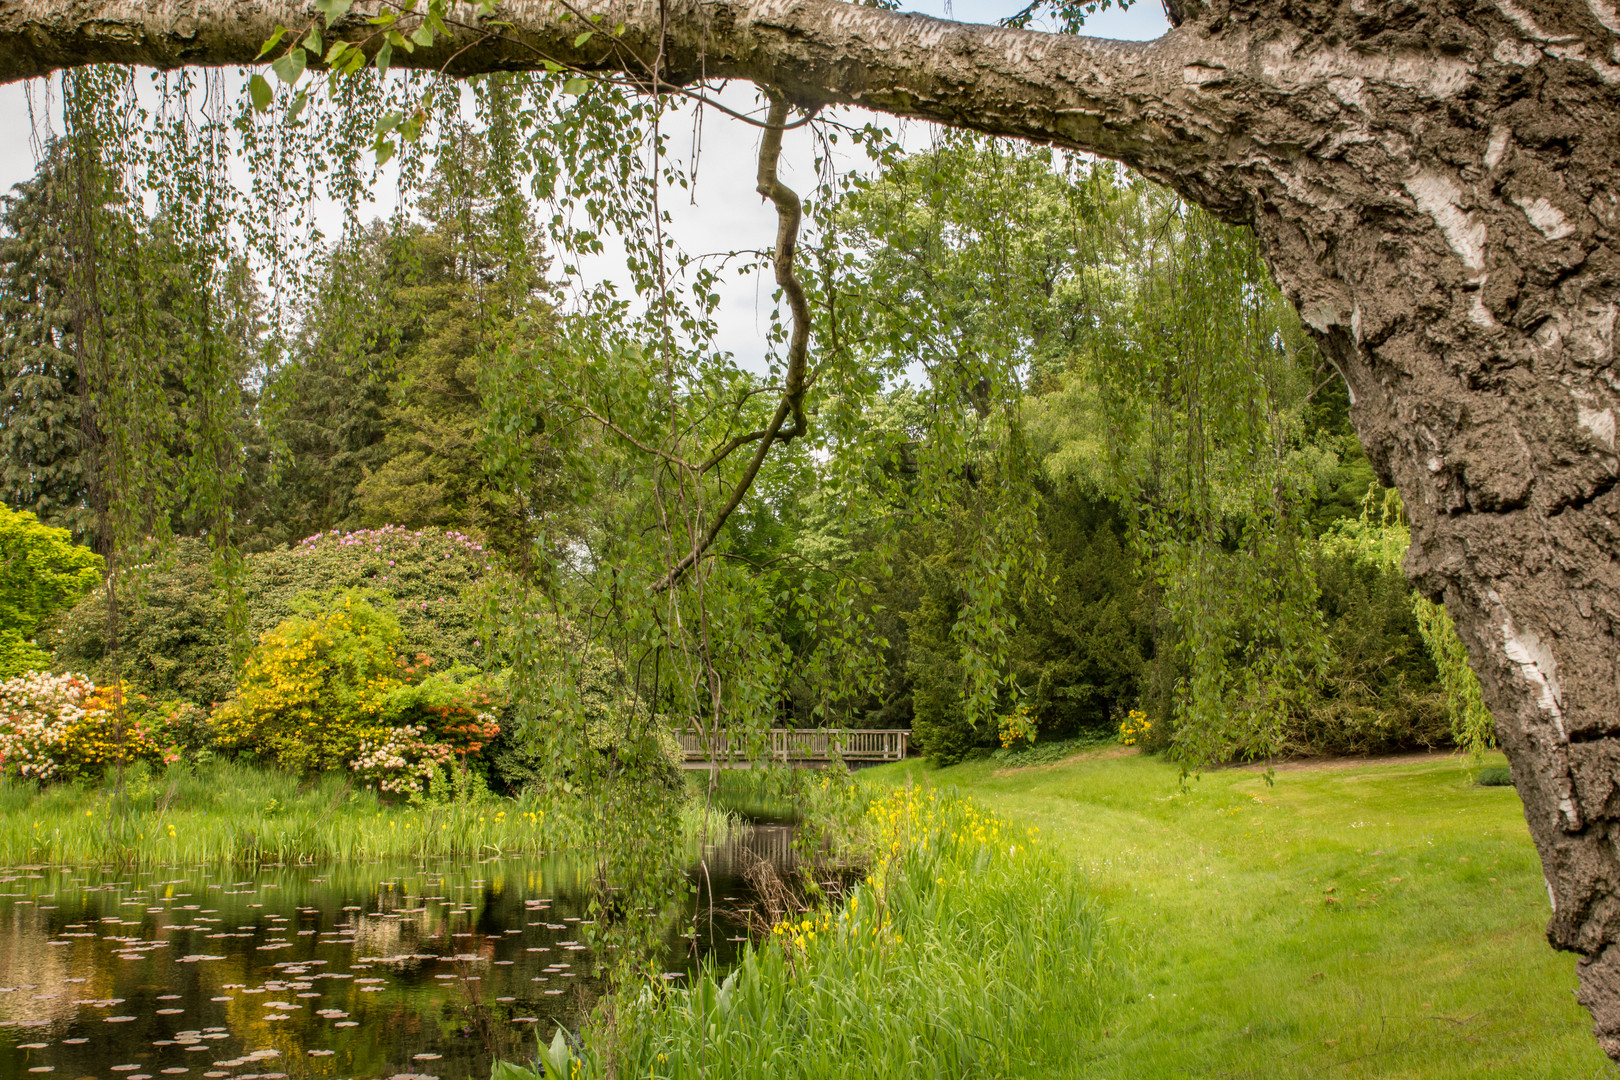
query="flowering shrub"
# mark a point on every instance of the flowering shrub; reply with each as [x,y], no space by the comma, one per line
[329,690]
[1134,728]
[62,727]
[314,686]
[172,636]
[429,577]
[401,760]
[36,711]
[1018,727]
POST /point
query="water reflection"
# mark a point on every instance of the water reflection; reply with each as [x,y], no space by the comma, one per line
[369,970]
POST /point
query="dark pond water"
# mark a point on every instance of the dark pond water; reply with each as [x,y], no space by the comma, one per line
[422,969]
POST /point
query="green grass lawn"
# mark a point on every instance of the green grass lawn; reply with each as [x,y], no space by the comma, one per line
[1379,920]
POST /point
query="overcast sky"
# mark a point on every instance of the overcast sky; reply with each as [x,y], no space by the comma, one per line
[724,212]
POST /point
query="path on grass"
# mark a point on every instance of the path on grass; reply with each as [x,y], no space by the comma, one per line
[1351,919]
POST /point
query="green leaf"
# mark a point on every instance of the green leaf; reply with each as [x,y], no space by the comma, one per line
[384,55]
[313,41]
[385,150]
[333,9]
[297,106]
[335,55]
[618,31]
[558,1058]
[576,86]
[290,66]
[387,123]
[505,1070]
[259,91]
[423,35]
[275,39]
[583,38]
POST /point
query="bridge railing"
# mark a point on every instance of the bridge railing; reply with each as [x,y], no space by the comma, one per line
[797,746]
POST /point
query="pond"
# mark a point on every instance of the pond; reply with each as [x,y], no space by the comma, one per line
[396,969]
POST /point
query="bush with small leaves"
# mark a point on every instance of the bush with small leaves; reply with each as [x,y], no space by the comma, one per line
[41,570]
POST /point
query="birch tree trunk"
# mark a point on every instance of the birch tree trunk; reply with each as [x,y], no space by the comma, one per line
[1435,185]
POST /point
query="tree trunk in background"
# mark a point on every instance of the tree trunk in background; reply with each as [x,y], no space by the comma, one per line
[1436,187]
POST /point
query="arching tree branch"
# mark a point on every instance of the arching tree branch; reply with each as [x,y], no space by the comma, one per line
[788,213]
[1053,88]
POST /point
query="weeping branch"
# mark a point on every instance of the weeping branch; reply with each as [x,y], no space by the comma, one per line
[788,215]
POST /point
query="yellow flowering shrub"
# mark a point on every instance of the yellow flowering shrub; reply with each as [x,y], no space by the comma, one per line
[329,690]
[1018,728]
[1134,728]
[118,727]
[314,686]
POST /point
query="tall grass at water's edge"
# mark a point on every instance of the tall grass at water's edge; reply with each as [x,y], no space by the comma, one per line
[225,812]
[970,951]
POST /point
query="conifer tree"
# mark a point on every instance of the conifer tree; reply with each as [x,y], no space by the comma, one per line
[42,464]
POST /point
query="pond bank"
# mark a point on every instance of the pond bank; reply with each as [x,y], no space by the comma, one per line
[966,951]
[225,812]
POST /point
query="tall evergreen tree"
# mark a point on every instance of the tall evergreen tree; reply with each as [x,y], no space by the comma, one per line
[379,417]
[323,407]
[42,464]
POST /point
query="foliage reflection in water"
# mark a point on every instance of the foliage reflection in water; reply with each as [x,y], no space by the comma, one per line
[430,969]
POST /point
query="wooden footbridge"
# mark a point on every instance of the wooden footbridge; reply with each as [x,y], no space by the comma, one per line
[797,747]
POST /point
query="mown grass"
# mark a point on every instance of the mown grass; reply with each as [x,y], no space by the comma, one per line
[237,813]
[968,952]
[1381,920]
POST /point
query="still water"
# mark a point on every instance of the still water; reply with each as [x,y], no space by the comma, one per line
[393,969]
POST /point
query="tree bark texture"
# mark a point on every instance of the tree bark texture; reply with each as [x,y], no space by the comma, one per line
[1435,185]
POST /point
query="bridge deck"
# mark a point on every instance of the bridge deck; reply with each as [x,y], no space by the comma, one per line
[807,747]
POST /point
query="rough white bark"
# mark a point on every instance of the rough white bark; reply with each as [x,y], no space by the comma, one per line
[1435,185]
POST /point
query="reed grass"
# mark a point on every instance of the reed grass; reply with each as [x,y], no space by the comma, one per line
[226,812]
[969,951]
